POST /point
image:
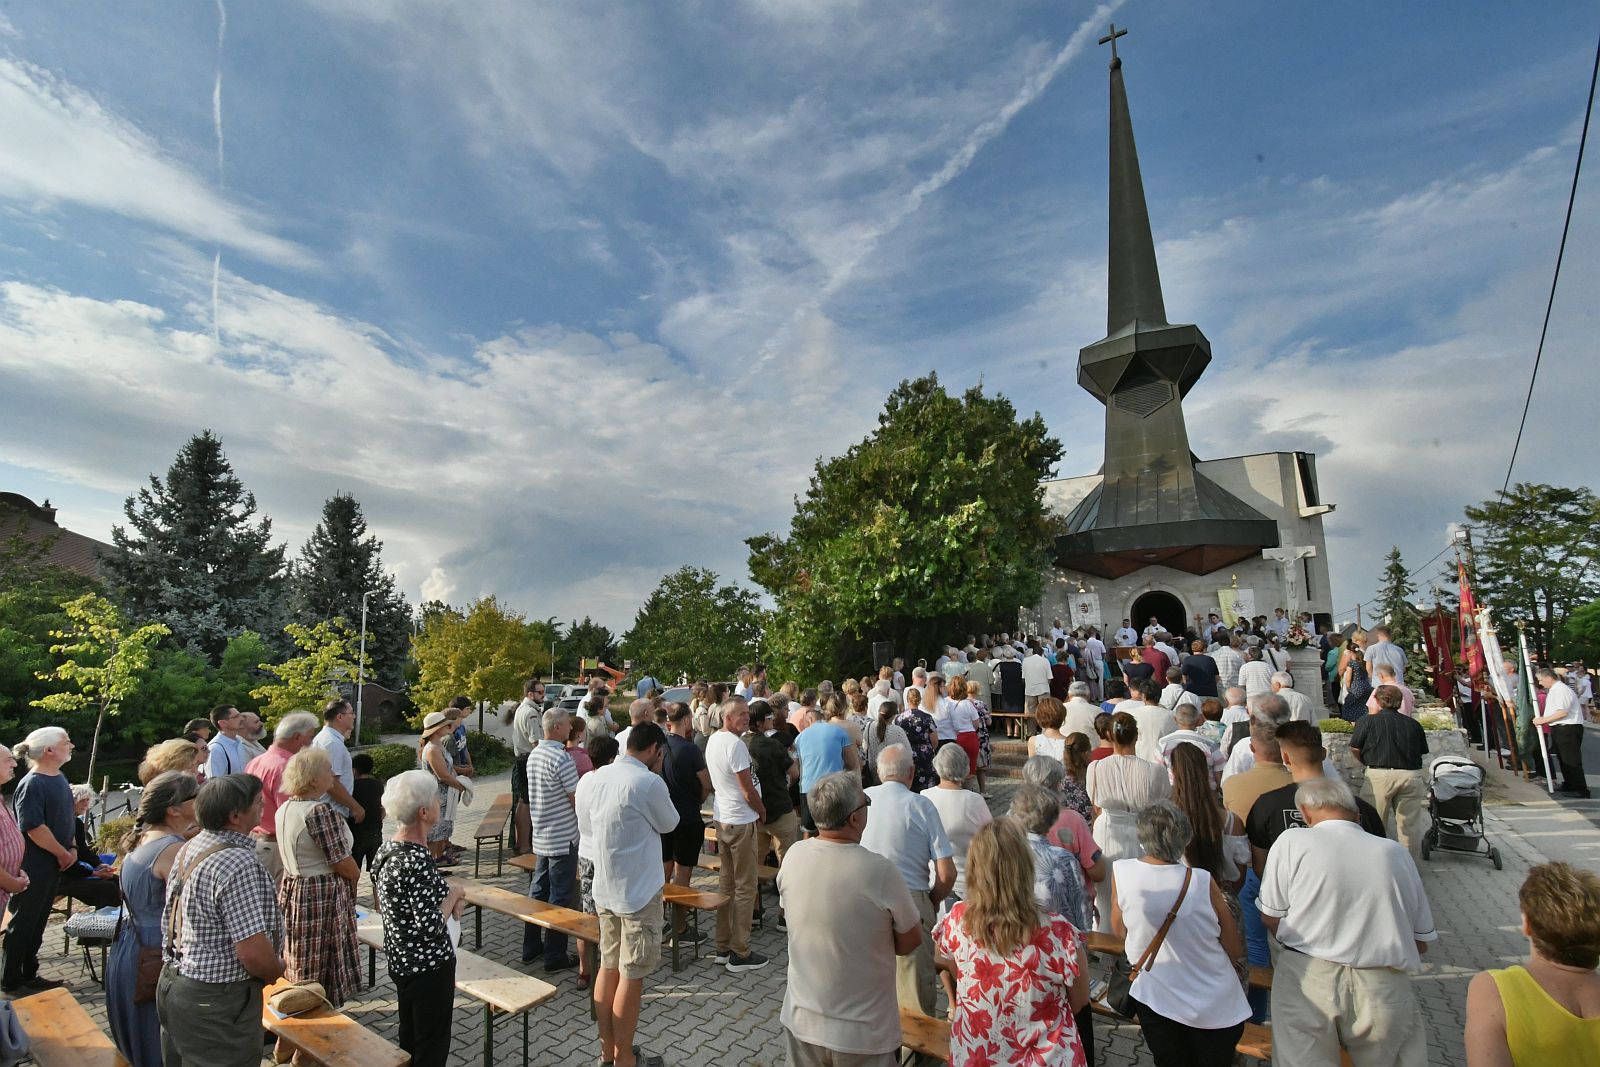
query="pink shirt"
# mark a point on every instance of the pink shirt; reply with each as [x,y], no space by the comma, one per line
[1408,703]
[269,768]
[580,759]
[1076,838]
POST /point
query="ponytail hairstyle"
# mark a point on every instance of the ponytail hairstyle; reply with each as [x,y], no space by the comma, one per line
[29,748]
[886,713]
[163,793]
[1124,728]
[1076,756]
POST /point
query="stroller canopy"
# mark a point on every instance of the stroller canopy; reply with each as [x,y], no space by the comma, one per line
[1451,776]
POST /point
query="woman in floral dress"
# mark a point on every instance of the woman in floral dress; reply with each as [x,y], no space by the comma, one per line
[920,732]
[1020,972]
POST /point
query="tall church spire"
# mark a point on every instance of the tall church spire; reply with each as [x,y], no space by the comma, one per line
[1135,283]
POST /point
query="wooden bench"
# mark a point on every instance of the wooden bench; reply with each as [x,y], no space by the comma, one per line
[696,900]
[919,1033]
[61,1032]
[492,827]
[500,989]
[525,909]
[1260,977]
[330,1037]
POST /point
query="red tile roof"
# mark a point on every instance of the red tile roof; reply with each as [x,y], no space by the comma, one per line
[37,523]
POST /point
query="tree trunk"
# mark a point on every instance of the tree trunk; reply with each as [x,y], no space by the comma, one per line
[94,745]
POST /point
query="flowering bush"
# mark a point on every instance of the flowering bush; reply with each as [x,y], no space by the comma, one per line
[1298,636]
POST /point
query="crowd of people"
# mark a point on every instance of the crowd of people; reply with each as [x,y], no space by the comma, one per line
[1184,804]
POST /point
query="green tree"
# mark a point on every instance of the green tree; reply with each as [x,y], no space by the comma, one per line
[485,654]
[932,526]
[587,640]
[1395,607]
[341,561]
[1538,556]
[692,625]
[195,559]
[329,656]
[105,660]
[1579,636]
[30,611]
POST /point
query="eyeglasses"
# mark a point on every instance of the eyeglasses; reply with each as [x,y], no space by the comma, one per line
[866,802]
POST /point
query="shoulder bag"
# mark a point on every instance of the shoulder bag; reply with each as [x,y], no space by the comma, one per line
[1119,994]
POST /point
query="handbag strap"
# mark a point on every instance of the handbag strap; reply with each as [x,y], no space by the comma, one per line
[1147,960]
[180,877]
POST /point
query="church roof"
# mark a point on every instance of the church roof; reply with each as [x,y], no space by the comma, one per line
[36,523]
[1152,506]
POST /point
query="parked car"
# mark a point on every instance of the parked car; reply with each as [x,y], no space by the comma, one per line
[677,694]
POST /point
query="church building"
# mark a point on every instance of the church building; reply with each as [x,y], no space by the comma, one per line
[1157,532]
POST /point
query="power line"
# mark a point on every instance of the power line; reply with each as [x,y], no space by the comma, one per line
[1572,196]
[1409,575]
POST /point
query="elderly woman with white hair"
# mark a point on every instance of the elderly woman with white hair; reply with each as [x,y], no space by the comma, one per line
[317,892]
[43,804]
[89,879]
[1187,995]
[962,812]
[417,905]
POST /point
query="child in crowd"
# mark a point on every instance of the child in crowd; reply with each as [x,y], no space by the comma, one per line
[368,792]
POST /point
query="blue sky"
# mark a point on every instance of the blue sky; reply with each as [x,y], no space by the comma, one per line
[571,294]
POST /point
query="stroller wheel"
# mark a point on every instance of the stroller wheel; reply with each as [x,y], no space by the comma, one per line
[1494,855]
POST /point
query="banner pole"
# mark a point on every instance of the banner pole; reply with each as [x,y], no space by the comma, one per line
[1544,751]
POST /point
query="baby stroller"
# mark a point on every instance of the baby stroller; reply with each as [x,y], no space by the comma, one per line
[1455,807]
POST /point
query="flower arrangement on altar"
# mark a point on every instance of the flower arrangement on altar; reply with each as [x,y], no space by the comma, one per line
[1298,636]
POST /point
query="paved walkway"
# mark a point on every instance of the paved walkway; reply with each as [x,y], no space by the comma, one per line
[706,1017]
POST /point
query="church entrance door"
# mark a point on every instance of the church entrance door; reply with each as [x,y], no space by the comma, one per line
[1165,607]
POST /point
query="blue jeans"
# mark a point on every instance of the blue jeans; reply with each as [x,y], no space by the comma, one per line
[1257,950]
[555,881]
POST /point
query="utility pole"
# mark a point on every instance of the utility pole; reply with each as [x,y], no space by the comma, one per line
[361,663]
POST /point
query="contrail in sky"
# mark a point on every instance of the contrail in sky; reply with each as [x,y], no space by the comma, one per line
[958,162]
[216,123]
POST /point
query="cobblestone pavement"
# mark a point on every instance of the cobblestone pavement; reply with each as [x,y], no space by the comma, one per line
[703,1016]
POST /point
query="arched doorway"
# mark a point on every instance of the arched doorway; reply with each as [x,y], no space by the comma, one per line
[1164,606]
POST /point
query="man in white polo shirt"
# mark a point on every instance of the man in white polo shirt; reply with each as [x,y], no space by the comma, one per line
[623,809]
[1351,921]
[1564,715]
[737,807]
[1301,708]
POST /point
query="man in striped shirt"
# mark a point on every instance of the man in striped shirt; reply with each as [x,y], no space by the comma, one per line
[552,781]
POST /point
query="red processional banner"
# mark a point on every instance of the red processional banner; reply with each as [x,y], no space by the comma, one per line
[1441,655]
[1471,651]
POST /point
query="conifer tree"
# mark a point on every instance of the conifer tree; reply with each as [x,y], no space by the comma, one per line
[1395,607]
[338,563]
[195,558]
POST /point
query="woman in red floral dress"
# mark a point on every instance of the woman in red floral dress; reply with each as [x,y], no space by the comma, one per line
[1020,972]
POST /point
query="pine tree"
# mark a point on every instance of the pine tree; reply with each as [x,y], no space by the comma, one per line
[194,559]
[1396,608]
[338,563]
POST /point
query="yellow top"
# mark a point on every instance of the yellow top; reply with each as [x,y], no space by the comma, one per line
[1539,1031]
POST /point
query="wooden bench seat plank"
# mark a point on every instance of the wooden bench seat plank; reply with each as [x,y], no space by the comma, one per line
[714,863]
[491,827]
[480,978]
[923,1034]
[689,897]
[61,1032]
[1260,977]
[518,906]
[331,1037]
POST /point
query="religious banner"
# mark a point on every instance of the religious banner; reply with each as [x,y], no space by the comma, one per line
[1085,610]
[1236,604]
[1441,656]
[1471,651]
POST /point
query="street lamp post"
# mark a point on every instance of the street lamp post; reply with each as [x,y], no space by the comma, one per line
[361,663]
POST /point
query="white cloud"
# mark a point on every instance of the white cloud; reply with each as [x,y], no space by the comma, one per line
[64,148]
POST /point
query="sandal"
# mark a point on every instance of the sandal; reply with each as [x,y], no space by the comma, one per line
[583,982]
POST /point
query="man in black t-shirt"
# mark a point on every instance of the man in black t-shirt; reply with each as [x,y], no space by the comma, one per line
[1200,671]
[1274,812]
[688,783]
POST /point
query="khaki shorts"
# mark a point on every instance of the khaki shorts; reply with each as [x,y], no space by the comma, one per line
[631,944]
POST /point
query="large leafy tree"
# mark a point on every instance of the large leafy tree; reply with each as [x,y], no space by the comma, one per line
[340,562]
[31,595]
[194,556]
[1538,555]
[329,657]
[486,653]
[1579,636]
[1395,607]
[693,625]
[104,660]
[932,526]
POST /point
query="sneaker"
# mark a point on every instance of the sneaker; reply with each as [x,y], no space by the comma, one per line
[783,924]
[753,962]
[721,957]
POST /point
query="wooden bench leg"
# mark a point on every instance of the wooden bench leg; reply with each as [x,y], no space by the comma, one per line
[477,857]
[372,966]
[488,1036]
[672,918]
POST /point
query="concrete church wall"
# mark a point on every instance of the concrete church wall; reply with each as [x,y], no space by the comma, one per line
[1269,482]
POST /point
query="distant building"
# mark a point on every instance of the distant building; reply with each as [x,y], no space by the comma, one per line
[36,523]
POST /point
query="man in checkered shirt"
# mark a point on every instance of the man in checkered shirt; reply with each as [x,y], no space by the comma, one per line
[221,934]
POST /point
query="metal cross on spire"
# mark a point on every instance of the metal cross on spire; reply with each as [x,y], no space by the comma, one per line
[1111,39]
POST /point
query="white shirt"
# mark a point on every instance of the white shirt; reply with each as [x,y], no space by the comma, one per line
[623,809]
[1301,708]
[1243,757]
[726,756]
[1126,637]
[1153,629]
[962,813]
[227,756]
[1279,626]
[1080,719]
[1255,677]
[1381,652]
[527,727]
[1035,676]
[904,828]
[1095,649]
[1171,653]
[1192,980]
[1560,697]
[1345,896]
[1155,722]
[1228,662]
[1213,754]
[1584,689]
[1170,695]
[339,758]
